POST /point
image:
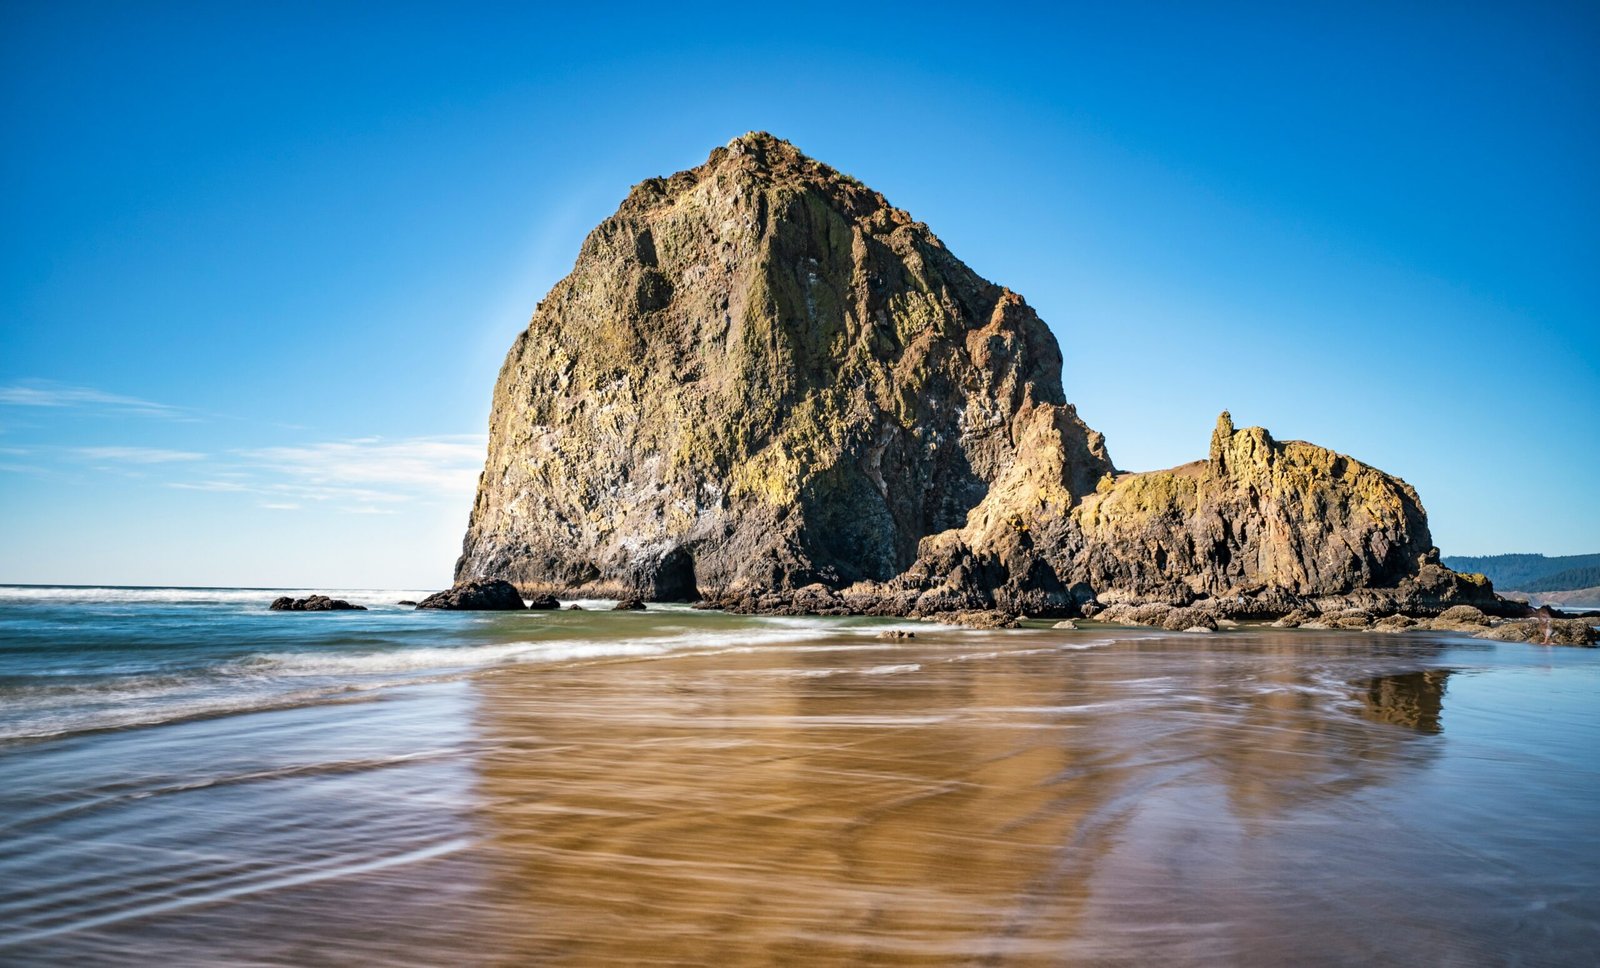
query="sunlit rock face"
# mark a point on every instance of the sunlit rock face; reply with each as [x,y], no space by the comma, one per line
[759,375]
[1264,524]
[762,378]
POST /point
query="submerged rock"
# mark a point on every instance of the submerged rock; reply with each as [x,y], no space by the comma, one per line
[764,387]
[313,603]
[628,605]
[492,595]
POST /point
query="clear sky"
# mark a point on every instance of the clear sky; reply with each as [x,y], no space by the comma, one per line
[261,262]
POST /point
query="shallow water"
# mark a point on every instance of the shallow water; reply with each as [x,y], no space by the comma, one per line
[187,778]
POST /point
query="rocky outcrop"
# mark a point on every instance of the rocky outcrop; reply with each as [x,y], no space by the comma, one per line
[1545,631]
[313,603]
[1259,528]
[760,375]
[488,595]
[765,387]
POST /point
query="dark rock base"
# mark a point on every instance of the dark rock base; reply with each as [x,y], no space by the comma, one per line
[313,603]
[489,595]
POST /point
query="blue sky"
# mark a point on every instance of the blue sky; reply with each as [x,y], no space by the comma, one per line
[261,262]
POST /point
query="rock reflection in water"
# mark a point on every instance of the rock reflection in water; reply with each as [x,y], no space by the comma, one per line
[1410,699]
[922,805]
[1025,798]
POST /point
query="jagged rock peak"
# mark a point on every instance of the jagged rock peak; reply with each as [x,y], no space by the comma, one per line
[1221,436]
[759,374]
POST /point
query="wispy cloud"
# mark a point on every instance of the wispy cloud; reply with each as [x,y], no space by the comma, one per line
[42,393]
[222,486]
[414,466]
[367,475]
[137,455]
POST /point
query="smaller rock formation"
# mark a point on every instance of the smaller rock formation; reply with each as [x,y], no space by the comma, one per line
[1173,618]
[896,634]
[483,595]
[629,605]
[989,618]
[313,603]
[1544,631]
[406,601]
[543,603]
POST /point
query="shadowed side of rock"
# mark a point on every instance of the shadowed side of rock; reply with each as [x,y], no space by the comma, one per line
[493,595]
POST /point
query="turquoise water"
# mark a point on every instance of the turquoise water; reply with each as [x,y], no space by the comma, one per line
[188,778]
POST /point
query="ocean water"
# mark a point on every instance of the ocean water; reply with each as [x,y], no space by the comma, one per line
[188,778]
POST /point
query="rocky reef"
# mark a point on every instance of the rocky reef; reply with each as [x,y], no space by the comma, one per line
[313,603]
[764,387]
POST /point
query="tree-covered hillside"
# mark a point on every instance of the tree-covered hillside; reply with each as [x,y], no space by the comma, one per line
[1563,581]
[1531,573]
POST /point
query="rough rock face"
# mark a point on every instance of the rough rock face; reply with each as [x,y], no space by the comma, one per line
[763,385]
[1261,525]
[493,595]
[313,603]
[759,375]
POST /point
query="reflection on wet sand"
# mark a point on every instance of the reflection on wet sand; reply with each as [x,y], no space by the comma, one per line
[827,798]
[1410,699]
[921,805]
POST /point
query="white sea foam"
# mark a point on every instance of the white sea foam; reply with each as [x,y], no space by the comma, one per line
[279,679]
[891,670]
[548,650]
[113,595]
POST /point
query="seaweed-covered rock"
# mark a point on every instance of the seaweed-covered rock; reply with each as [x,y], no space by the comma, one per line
[491,595]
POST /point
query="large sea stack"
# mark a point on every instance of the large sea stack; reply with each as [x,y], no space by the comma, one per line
[764,385]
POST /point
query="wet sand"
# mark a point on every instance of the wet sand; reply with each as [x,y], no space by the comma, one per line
[1025,798]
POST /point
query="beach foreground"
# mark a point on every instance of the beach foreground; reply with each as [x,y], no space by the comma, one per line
[190,779]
